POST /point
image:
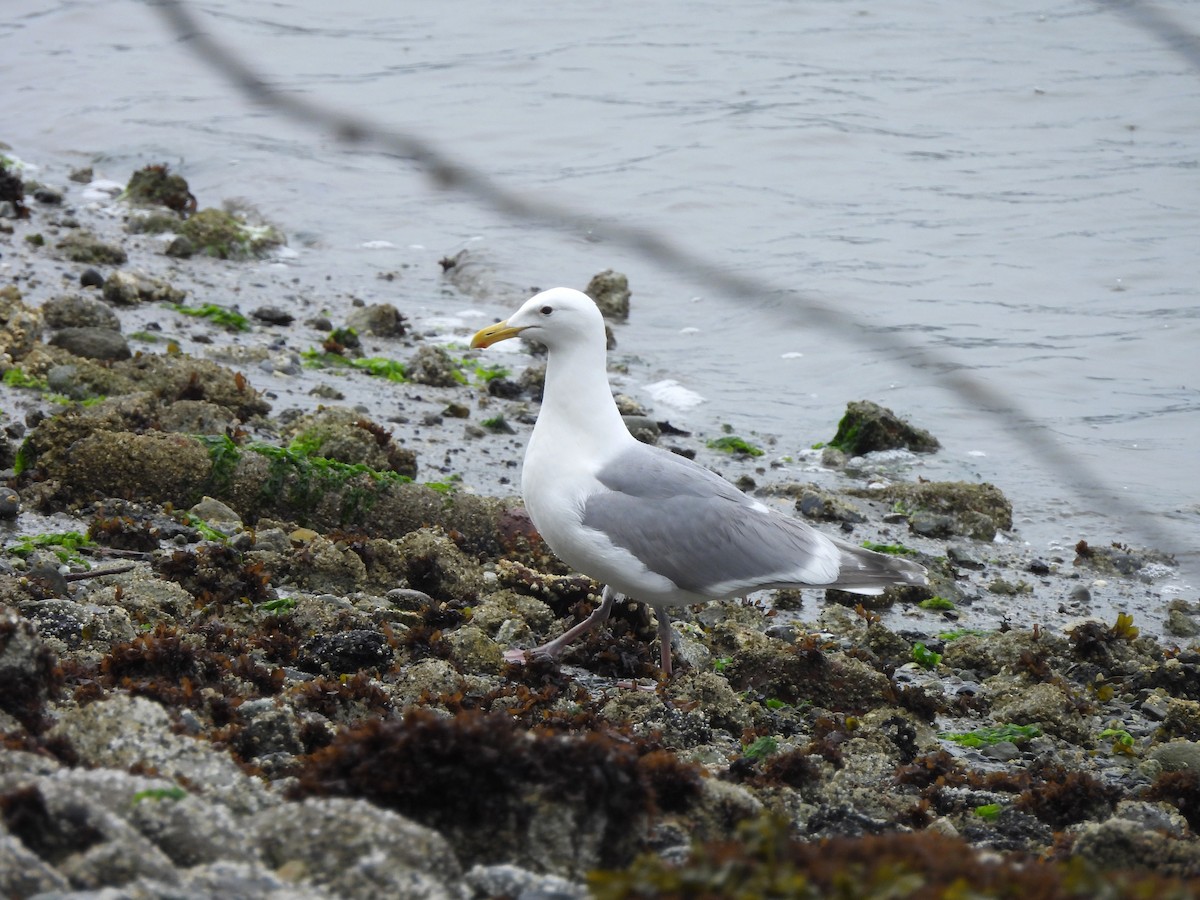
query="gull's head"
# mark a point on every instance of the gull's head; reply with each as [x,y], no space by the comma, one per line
[559,317]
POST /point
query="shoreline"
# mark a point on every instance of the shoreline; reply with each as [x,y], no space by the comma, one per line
[285,653]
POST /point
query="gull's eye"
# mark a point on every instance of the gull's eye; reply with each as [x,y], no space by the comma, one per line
[546,310]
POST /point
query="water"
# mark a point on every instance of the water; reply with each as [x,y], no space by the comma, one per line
[1013,184]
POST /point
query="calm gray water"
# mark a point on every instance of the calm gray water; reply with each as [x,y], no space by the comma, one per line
[1014,183]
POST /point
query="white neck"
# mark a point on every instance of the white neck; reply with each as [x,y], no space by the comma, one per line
[578,397]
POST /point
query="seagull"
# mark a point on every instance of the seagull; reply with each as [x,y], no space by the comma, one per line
[648,524]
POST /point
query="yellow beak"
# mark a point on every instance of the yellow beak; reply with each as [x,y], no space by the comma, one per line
[493,334]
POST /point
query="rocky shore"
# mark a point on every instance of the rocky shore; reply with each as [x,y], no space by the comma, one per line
[262,557]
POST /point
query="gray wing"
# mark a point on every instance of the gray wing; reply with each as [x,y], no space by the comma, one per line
[692,526]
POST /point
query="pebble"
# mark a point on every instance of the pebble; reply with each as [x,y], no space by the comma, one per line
[962,556]
[48,196]
[91,278]
[273,315]
[10,503]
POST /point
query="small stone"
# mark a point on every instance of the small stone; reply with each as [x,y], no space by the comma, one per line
[1039,567]
[643,428]
[273,315]
[931,525]
[962,556]
[82,175]
[91,278]
[10,503]
[1002,751]
[181,247]
[49,196]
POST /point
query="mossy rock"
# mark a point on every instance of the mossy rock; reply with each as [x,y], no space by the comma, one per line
[85,247]
[222,234]
[867,427]
[973,510]
[157,186]
[611,292]
[347,436]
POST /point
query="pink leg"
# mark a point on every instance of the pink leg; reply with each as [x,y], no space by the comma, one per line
[555,648]
[664,638]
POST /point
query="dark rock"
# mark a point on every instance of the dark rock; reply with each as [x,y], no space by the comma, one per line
[92,343]
[91,278]
[273,315]
[10,503]
[82,175]
[346,651]
[75,311]
[611,292]
[49,196]
[504,388]
[867,427]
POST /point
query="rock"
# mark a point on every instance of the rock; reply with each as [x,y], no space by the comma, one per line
[273,315]
[26,670]
[217,515]
[1175,756]
[347,651]
[84,247]
[10,503]
[92,343]
[49,196]
[227,235]
[974,510]
[131,288]
[381,319]
[345,435]
[963,557]
[123,731]
[815,503]
[76,311]
[507,880]
[156,185]
[1180,624]
[931,525]
[20,325]
[360,850]
[24,874]
[433,366]
[82,175]
[611,292]
[867,427]
[181,247]
[89,277]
